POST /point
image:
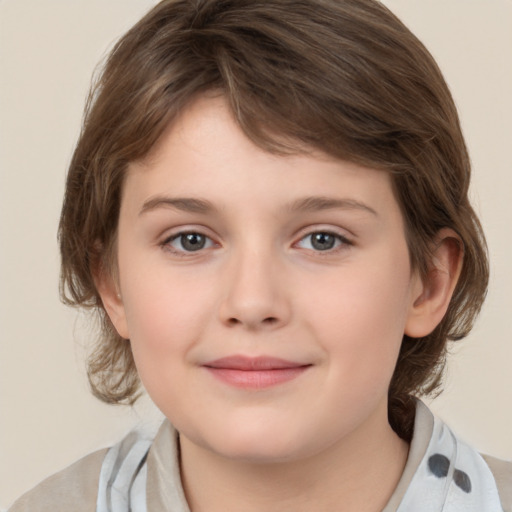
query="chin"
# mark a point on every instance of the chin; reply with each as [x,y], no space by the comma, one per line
[258,445]
[259,453]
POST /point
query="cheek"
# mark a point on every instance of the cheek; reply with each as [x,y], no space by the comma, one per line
[361,320]
[166,320]
[165,324]
[165,314]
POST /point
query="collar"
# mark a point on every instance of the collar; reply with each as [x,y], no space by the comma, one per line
[442,474]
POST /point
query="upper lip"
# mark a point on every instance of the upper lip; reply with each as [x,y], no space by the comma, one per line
[248,363]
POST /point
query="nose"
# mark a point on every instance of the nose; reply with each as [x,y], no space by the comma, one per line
[255,294]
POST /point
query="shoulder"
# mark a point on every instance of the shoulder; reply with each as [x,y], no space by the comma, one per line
[502,472]
[74,488]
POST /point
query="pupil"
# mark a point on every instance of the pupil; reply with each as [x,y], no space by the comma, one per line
[322,241]
[193,241]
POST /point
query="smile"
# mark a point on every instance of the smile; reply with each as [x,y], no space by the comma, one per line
[255,372]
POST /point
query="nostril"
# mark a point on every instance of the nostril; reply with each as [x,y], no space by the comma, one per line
[270,320]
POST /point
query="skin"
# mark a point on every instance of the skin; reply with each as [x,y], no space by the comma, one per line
[261,287]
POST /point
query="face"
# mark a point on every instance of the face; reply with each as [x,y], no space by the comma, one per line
[265,296]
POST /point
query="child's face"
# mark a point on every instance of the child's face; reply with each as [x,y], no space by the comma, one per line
[301,259]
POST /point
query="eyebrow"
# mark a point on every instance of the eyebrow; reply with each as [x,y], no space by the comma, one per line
[319,203]
[186,204]
[306,204]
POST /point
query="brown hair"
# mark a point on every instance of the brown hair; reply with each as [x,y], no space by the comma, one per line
[343,76]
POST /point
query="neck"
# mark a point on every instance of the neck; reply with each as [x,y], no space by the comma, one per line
[338,478]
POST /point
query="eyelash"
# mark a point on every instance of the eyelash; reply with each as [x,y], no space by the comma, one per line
[340,242]
[166,244]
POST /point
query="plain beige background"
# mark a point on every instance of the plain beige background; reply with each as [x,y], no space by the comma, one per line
[48,50]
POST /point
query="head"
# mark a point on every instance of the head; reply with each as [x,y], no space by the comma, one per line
[344,78]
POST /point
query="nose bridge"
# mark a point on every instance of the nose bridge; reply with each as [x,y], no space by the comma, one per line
[255,294]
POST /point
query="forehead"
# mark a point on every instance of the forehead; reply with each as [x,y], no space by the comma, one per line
[205,154]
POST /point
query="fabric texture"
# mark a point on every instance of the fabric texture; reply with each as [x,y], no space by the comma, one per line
[123,476]
[451,477]
[140,474]
[72,489]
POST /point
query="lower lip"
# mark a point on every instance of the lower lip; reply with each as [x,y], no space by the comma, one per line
[256,379]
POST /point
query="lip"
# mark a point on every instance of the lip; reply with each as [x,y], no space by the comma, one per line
[255,372]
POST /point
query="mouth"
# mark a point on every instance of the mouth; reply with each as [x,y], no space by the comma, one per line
[255,372]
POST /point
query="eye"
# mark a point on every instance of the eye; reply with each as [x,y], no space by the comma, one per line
[322,241]
[188,242]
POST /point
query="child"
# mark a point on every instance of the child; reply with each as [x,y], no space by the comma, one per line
[268,208]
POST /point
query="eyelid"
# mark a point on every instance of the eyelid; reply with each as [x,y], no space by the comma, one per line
[165,244]
[177,232]
[343,239]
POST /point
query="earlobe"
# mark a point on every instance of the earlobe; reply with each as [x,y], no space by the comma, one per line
[432,295]
[112,301]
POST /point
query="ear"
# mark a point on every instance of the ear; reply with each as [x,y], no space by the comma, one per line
[432,295]
[108,289]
